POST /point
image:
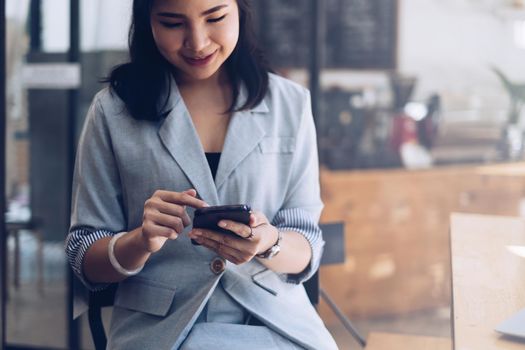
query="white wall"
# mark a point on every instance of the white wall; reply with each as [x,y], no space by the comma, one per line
[104,24]
[451,44]
[16,9]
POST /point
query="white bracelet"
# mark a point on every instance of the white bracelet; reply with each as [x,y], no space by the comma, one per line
[113,259]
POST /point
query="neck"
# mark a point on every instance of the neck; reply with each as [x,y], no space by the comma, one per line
[217,89]
[218,80]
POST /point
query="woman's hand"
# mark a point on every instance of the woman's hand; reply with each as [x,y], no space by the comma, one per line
[165,217]
[243,248]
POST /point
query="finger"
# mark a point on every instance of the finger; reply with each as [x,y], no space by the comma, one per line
[186,219]
[225,251]
[257,219]
[192,192]
[170,209]
[173,222]
[231,258]
[239,229]
[154,230]
[218,238]
[181,198]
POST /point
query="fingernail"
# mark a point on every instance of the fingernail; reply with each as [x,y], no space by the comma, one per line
[222,224]
[196,233]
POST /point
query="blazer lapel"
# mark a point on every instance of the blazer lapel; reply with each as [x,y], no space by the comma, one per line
[245,131]
[179,136]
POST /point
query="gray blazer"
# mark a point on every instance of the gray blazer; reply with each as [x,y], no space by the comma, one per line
[269,161]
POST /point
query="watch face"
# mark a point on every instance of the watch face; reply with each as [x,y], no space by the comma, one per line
[274,251]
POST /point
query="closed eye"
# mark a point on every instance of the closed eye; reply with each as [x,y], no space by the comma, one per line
[172,25]
[215,20]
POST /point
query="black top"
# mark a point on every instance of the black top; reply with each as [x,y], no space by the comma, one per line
[213,161]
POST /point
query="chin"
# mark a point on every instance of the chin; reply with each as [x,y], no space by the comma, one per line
[201,76]
[196,74]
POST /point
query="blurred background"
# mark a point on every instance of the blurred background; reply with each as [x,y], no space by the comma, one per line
[419,113]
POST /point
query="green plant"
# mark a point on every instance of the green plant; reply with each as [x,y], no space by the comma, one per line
[516,93]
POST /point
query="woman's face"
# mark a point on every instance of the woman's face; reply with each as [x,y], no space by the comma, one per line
[195,36]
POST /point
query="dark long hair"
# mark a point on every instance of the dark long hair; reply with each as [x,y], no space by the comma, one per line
[142,81]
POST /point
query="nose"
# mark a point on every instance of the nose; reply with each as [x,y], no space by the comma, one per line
[196,39]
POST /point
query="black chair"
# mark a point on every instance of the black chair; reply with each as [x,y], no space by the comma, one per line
[98,300]
[333,254]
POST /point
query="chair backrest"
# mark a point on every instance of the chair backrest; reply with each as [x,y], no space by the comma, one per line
[98,300]
[333,254]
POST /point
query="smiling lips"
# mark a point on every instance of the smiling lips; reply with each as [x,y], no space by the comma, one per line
[202,61]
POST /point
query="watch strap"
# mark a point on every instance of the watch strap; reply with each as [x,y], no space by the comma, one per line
[274,249]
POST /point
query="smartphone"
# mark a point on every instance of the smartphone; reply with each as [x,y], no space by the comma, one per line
[209,217]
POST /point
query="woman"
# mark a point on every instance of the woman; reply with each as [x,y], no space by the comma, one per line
[195,119]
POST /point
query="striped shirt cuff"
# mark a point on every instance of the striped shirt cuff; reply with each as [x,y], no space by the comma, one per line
[77,243]
[299,220]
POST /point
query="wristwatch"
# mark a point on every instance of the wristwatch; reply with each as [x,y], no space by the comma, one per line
[274,249]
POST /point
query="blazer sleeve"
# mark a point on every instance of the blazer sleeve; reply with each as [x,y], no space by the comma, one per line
[302,206]
[97,206]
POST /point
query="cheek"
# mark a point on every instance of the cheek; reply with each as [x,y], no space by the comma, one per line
[166,42]
[230,37]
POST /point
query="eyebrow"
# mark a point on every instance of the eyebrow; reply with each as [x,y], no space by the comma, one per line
[179,15]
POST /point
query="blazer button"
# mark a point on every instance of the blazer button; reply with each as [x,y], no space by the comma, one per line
[218,265]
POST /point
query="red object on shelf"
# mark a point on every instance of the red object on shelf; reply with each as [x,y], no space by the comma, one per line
[404,129]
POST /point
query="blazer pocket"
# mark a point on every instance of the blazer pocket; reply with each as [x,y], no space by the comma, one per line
[277,144]
[145,296]
[267,280]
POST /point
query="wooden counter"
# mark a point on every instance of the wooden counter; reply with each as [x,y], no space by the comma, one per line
[488,279]
[397,232]
[386,341]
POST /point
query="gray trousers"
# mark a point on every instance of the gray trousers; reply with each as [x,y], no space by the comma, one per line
[222,325]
